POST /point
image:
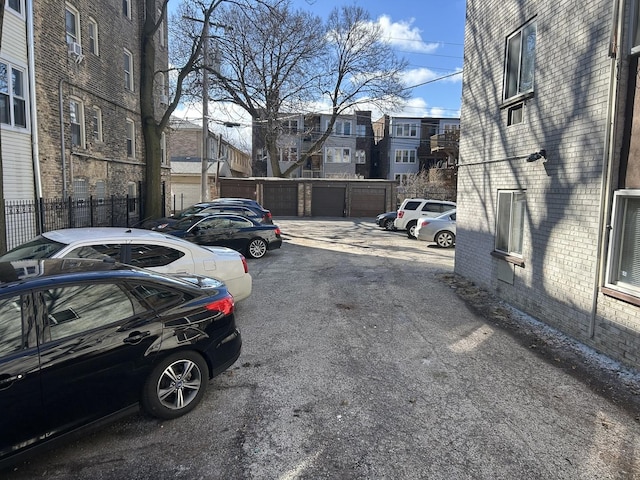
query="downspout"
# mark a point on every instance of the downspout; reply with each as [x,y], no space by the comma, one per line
[62,145]
[32,102]
[615,52]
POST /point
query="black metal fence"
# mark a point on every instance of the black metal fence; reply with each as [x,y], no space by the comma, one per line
[25,219]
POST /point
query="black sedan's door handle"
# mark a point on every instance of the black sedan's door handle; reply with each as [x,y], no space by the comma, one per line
[7,380]
[136,337]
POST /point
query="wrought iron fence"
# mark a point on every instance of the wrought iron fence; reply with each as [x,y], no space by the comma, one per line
[25,219]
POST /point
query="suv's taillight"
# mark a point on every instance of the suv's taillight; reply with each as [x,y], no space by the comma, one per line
[400,213]
[278,232]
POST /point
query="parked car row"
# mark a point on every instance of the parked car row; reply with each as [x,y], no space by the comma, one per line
[96,320]
[424,219]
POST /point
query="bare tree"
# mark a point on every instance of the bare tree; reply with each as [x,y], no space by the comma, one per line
[279,61]
[153,122]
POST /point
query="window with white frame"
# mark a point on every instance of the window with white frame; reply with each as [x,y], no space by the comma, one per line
[405,156]
[342,127]
[76,119]
[337,155]
[131,195]
[101,191]
[361,156]
[520,61]
[80,189]
[96,123]
[402,178]
[126,8]
[72,24]
[406,130]
[13,103]
[161,34]
[15,5]
[623,266]
[128,69]
[93,36]
[289,126]
[510,221]
[361,130]
[288,154]
[131,138]
[163,149]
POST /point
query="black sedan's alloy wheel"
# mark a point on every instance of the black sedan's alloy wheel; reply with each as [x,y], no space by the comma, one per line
[257,248]
[176,385]
[388,224]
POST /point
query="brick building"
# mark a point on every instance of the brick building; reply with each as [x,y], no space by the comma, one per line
[87,70]
[549,171]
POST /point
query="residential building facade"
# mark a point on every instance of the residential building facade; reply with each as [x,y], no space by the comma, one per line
[404,145]
[87,85]
[348,152]
[549,172]
[186,146]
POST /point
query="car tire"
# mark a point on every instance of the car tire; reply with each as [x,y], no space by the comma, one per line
[411,230]
[445,239]
[176,385]
[388,224]
[257,248]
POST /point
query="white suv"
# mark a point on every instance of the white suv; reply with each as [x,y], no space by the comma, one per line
[414,208]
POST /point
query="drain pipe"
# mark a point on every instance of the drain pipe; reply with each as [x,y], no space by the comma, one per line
[35,155]
[615,52]
[62,145]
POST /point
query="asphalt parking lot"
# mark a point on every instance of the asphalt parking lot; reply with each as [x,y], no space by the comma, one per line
[360,361]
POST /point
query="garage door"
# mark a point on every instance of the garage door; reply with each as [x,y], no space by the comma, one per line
[185,195]
[328,201]
[282,200]
[367,202]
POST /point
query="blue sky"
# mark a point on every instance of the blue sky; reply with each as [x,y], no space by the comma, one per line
[429,34]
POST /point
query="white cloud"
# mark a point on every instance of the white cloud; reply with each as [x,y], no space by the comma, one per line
[419,76]
[403,36]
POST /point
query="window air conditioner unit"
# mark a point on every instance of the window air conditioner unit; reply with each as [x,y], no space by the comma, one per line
[164,100]
[75,49]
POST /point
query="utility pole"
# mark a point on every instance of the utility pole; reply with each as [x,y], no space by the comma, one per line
[204,175]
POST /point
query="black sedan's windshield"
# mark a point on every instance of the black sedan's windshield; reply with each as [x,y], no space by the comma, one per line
[38,248]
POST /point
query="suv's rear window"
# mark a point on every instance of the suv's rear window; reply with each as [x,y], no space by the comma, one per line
[37,249]
[411,205]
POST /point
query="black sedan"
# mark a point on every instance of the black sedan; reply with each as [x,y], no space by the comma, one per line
[385,220]
[82,340]
[245,235]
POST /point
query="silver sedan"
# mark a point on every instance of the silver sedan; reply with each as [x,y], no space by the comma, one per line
[441,229]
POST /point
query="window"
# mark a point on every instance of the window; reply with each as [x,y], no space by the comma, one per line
[13,104]
[126,8]
[520,61]
[163,149]
[402,179]
[514,114]
[144,256]
[15,5]
[97,252]
[161,34]
[101,191]
[342,127]
[132,194]
[623,267]
[80,190]
[290,126]
[406,130]
[76,117]
[131,138]
[10,324]
[97,124]
[80,308]
[72,24]
[361,130]
[93,36]
[405,156]
[635,47]
[128,70]
[288,154]
[337,155]
[510,222]
[361,156]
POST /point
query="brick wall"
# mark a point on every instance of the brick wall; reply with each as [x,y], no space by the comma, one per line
[567,117]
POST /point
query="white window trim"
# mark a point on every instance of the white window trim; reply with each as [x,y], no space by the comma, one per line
[411,127]
[510,249]
[286,153]
[128,13]
[76,14]
[342,156]
[12,116]
[519,93]
[20,14]
[161,35]
[412,156]
[92,21]
[81,120]
[97,113]
[361,156]
[130,128]
[128,84]
[615,243]
[163,149]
